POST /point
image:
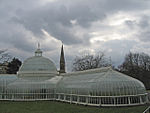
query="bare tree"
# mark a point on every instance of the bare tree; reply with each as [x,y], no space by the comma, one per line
[137,65]
[135,61]
[88,61]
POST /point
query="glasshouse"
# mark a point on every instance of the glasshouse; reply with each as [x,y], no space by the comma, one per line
[38,79]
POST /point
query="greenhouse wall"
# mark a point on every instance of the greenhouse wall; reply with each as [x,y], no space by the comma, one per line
[45,91]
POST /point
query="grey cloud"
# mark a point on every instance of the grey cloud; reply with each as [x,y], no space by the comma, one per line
[51,16]
[18,17]
[119,49]
[55,17]
[144,25]
[130,23]
[126,5]
[22,43]
[144,36]
[141,27]
[14,34]
[50,21]
[19,41]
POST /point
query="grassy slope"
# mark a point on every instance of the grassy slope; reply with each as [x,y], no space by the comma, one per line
[57,107]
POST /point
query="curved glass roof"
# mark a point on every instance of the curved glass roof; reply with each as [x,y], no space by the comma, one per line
[100,82]
[23,85]
[37,63]
[6,79]
[95,82]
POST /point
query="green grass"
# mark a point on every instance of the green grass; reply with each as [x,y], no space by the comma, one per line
[59,107]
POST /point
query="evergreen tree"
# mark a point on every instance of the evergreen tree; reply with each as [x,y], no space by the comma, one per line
[13,66]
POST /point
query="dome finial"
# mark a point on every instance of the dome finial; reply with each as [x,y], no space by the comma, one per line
[38,52]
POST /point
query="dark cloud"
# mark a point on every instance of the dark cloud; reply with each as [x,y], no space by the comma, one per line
[22,22]
[55,17]
[52,21]
[141,27]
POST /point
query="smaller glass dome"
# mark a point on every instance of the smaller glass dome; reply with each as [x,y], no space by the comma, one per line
[101,82]
[101,87]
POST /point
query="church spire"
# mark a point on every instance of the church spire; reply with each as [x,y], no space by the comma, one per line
[62,61]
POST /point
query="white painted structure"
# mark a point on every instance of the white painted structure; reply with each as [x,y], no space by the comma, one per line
[38,79]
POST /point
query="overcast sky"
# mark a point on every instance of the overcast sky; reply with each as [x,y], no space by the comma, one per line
[113,26]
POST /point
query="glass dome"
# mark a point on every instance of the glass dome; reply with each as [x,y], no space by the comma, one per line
[37,63]
[101,87]
[37,66]
[102,82]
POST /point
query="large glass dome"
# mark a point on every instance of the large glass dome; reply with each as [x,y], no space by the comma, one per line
[37,63]
[37,66]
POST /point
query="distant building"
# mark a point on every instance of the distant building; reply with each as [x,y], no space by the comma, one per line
[38,79]
[3,67]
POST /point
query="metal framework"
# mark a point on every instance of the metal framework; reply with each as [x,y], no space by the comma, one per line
[98,87]
[33,91]
[38,79]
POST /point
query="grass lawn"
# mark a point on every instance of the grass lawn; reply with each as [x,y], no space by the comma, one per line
[59,107]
